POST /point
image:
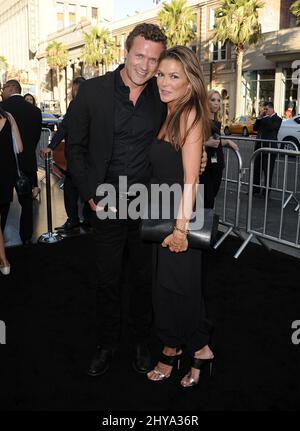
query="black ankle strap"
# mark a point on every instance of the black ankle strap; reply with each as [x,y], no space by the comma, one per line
[169,360]
[199,363]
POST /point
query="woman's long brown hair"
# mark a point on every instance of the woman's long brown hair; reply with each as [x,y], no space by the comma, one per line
[195,98]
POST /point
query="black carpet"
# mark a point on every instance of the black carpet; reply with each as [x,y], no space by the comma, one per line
[48,306]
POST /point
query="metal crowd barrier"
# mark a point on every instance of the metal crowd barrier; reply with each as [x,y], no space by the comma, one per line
[246,149]
[288,234]
[230,223]
[231,201]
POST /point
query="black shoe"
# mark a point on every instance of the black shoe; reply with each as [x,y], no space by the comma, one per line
[27,242]
[68,226]
[101,361]
[86,225]
[142,362]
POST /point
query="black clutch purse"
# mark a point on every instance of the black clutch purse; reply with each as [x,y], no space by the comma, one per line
[156,230]
[23,184]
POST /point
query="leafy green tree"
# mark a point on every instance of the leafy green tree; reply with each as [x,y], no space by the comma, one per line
[100,49]
[236,22]
[295,9]
[57,58]
[177,20]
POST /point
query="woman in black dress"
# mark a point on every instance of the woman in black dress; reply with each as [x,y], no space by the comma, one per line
[212,175]
[8,173]
[36,190]
[175,156]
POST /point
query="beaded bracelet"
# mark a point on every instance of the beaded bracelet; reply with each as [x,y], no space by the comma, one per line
[185,232]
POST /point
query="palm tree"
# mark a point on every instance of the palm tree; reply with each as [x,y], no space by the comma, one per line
[3,67]
[176,19]
[100,49]
[295,9]
[57,58]
[236,21]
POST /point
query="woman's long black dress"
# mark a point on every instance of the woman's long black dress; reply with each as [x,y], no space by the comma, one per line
[8,170]
[177,295]
[212,176]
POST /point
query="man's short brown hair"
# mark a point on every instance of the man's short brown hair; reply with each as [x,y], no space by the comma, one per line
[148,32]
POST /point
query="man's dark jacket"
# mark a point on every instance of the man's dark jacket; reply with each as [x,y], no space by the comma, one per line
[267,128]
[29,120]
[62,131]
[91,131]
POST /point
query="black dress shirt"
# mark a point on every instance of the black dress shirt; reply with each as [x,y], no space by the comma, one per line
[133,134]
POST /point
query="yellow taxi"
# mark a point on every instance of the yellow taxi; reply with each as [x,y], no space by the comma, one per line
[240,126]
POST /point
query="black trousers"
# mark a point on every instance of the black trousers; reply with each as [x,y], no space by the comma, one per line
[71,196]
[112,237]
[4,209]
[265,167]
[26,219]
[261,166]
[211,178]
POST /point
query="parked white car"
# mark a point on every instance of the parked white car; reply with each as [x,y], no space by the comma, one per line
[290,130]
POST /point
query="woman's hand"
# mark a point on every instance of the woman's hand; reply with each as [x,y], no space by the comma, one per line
[211,142]
[203,161]
[92,204]
[176,241]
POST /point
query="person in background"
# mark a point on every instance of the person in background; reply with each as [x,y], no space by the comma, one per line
[36,190]
[71,192]
[8,174]
[29,120]
[30,98]
[212,176]
[267,127]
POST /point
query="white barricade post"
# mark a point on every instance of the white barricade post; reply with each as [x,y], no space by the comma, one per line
[267,222]
[49,237]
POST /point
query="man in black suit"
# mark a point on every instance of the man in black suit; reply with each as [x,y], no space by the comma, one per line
[114,119]
[71,193]
[267,127]
[29,120]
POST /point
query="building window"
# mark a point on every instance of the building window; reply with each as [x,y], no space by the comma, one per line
[217,51]
[94,13]
[290,91]
[83,13]
[211,19]
[258,88]
[60,15]
[72,14]
[194,23]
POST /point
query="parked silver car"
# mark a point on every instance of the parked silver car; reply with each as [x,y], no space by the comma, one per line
[290,130]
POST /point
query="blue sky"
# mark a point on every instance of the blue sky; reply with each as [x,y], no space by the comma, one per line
[124,7]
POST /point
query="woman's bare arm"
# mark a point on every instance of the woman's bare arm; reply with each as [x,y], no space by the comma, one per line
[16,133]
